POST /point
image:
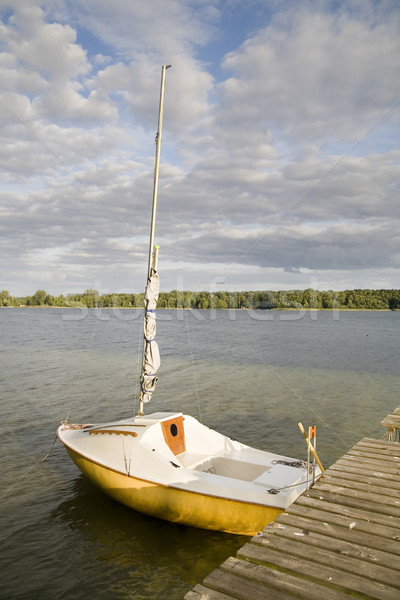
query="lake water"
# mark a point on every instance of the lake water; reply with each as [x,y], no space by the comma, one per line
[252,375]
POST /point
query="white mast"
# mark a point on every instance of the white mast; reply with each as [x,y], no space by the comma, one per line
[153,254]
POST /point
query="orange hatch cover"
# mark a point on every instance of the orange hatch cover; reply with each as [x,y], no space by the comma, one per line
[174,434]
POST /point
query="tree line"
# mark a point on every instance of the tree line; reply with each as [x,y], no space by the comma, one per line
[358,299]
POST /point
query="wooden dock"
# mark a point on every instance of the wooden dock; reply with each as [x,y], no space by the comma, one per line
[340,539]
[392,422]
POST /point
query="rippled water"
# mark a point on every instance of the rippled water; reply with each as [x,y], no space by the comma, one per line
[252,375]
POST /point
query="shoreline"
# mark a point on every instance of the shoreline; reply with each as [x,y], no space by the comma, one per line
[300,309]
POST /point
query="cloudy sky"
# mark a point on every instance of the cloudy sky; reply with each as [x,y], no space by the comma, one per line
[280,156]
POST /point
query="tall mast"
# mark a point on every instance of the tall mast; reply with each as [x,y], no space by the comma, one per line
[153,251]
[157,166]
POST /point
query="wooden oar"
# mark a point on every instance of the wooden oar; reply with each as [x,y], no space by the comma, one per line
[311,447]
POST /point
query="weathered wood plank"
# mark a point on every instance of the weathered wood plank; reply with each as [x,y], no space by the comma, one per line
[319,540]
[391,420]
[241,588]
[378,442]
[285,582]
[366,488]
[199,592]
[371,456]
[354,463]
[321,574]
[326,556]
[359,494]
[378,453]
[372,465]
[346,467]
[369,540]
[354,502]
[352,522]
[384,485]
[379,446]
[349,511]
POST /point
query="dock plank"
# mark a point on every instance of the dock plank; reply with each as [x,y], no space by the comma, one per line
[331,496]
[297,535]
[342,466]
[370,540]
[372,456]
[331,574]
[368,440]
[332,556]
[355,484]
[241,588]
[348,522]
[389,503]
[381,447]
[282,581]
[351,511]
[384,485]
[199,592]
[391,420]
[339,540]
[373,465]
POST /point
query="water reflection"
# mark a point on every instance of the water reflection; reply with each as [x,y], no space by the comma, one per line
[136,550]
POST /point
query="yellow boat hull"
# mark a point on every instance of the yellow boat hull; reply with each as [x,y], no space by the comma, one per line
[176,505]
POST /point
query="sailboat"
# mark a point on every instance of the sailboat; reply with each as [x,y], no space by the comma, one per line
[171,466]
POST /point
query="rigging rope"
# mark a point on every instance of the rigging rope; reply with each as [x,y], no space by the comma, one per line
[83,365]
[306,404]
[193,366]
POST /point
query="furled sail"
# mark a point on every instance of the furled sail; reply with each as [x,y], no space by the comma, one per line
[151,354]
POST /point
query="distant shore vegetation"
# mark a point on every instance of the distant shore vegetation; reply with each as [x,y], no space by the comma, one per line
[264,300]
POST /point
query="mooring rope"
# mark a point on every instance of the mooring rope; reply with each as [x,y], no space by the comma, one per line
[49,452]
[28,470]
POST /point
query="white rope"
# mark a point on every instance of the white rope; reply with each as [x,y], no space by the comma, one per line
[193,366]
[81,372]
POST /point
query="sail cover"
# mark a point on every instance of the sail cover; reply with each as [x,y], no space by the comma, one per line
[151,360]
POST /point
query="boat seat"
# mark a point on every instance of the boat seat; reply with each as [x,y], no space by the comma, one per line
[191,460]
[279,476]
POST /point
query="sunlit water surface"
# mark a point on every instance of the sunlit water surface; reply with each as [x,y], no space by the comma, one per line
[252,375]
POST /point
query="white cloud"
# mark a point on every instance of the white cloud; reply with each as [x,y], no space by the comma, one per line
[284,168]
[315,75]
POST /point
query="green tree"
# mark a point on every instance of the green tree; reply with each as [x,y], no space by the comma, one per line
[202,300]
[38,298]
[394,303]
[5,298]
[90,298]
[59,301]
